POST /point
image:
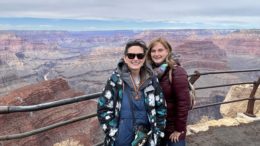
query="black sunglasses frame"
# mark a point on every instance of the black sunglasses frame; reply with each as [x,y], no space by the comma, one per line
[132,55]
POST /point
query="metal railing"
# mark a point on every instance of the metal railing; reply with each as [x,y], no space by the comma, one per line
[42,106]
[193,78]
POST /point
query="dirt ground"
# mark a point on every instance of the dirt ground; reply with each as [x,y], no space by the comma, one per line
[242,135]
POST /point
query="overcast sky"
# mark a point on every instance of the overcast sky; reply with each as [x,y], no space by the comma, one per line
[165,13]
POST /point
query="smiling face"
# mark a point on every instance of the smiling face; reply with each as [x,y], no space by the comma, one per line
[134,64]
[159,53]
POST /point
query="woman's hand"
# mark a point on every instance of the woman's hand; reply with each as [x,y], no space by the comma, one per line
[174,137]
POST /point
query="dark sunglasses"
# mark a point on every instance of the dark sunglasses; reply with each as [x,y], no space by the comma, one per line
[132,56]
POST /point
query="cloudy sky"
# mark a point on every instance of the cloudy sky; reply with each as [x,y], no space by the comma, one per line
[129,14]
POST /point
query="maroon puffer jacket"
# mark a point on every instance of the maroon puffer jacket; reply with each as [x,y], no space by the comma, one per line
[177,98]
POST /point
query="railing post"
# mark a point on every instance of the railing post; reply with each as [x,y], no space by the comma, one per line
[195,77]
[251,102]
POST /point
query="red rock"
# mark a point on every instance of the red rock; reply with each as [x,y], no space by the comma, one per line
[47,91]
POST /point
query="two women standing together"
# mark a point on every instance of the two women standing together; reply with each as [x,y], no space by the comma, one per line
[147,91]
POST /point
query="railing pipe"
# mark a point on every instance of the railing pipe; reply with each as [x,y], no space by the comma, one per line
[223,85]
[40,130]
[233,71]
[194,77]
[56,125]
[11,109]
[218,103]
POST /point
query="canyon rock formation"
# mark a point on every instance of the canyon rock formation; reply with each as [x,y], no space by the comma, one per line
[42,92]
[239,92]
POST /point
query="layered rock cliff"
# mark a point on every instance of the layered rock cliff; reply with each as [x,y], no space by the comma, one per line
[202,54]
[42,92]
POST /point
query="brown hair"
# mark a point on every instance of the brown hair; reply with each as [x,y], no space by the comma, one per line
[136,42]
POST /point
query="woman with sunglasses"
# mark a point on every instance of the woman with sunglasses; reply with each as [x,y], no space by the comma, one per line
[132,99]
[174,82]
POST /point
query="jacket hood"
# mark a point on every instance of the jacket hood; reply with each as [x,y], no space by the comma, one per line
[146,73]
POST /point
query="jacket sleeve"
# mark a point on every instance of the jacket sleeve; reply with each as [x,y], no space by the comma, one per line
[106,108]
[180,86]
[161,110]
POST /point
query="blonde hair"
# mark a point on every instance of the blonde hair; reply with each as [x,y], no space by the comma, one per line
[169,59]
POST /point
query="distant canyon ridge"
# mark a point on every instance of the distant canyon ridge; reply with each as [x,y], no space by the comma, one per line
[85,59]
[43,66]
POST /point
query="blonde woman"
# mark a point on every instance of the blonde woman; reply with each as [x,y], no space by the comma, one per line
[174,82]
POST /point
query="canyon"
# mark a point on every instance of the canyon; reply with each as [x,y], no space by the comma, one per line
[42,66]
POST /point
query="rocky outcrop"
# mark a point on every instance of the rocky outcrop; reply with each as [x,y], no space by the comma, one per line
[239,92]
[42,92]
